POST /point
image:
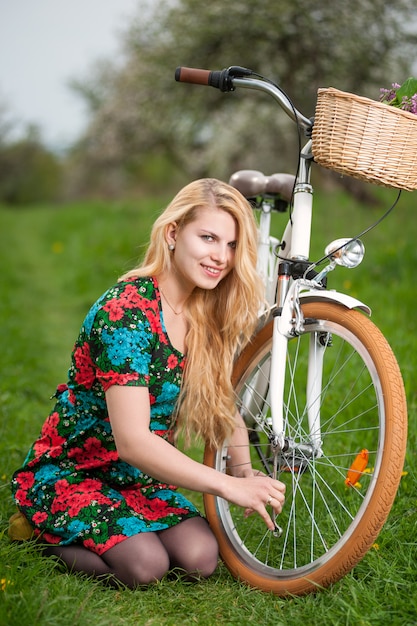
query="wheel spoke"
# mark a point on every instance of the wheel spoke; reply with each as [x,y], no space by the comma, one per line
[323,514]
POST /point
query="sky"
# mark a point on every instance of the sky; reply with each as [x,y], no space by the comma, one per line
[46,43]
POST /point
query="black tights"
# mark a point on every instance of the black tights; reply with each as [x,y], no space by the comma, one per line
[147,557]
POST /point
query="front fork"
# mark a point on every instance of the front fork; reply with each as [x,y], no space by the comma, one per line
[288,324]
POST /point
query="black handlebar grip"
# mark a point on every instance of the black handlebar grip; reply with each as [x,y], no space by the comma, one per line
[220,79]
[192,75]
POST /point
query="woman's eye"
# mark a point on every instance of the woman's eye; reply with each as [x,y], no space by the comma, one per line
[233,245]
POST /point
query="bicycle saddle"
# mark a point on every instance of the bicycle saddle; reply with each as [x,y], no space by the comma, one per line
[252,183]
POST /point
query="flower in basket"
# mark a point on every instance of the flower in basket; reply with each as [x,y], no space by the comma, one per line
[401,96]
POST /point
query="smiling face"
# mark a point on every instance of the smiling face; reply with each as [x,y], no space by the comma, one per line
[204,249]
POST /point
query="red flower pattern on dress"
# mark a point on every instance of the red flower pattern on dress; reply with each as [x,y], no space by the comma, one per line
[114,309]
[154,320]
[50,441]
[85,374]
[92,454]
[153,509]
[131,299]
[22,499]
[39,517]
[110,378]
[128,299]
[172,361]
[100,548]
[25,480]
[73,498]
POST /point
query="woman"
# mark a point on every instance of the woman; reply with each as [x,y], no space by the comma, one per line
[154,355]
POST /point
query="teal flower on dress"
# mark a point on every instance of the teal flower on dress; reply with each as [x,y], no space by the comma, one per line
[125,344]
[134,525]
[76,527]
[47,473]
[168,496]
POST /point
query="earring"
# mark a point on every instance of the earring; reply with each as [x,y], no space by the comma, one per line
[171,247]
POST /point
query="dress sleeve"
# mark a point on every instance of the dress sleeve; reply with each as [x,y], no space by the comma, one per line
[120,339]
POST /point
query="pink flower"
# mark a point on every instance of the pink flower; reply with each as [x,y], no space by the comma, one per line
[92,454]
[85,368]
[25,480]
[128,299]
[172,361]
[39,517]
[114,309]
[75,497]
[110,378]
[155,325]
[153,510]
[100,548]
[21,496]
[401,96]
[49,441]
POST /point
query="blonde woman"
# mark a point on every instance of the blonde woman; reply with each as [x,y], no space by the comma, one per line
[154,355]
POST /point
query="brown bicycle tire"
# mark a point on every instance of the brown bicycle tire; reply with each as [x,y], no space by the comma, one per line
[323,574]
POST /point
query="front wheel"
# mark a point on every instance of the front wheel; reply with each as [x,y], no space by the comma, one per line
[338,494]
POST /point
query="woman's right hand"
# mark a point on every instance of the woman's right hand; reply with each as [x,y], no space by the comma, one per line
[255,493]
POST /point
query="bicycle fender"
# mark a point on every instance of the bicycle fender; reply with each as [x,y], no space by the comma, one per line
[335,296]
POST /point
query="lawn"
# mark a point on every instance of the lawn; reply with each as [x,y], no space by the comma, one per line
[55,262]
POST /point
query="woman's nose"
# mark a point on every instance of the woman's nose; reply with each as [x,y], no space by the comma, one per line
[220,253]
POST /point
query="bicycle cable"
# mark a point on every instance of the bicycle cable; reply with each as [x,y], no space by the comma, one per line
[361,234]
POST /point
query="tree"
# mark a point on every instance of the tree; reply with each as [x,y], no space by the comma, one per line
[29,172]
[138,111]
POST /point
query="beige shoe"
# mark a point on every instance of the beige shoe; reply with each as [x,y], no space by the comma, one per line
[19,528]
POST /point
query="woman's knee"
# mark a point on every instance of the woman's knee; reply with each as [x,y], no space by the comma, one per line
[192,547]
[139,560]
[202,558]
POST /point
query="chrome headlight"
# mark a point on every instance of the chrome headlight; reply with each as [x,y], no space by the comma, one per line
[346,252]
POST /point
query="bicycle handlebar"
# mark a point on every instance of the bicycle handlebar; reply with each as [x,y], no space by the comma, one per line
[229,78]
[220,79]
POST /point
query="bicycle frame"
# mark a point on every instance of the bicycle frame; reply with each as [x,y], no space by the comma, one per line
[286,295]
[296,240]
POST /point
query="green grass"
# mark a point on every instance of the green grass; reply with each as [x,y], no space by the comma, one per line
[55,261]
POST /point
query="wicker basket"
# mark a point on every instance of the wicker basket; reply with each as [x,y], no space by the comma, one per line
[365,139]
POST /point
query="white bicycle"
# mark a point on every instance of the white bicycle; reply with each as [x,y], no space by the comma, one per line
[319,389]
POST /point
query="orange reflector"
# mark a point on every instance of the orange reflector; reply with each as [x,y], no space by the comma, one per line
[357,468]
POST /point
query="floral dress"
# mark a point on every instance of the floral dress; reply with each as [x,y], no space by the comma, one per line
[73,487]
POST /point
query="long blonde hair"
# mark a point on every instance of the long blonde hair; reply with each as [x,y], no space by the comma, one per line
[220,320]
